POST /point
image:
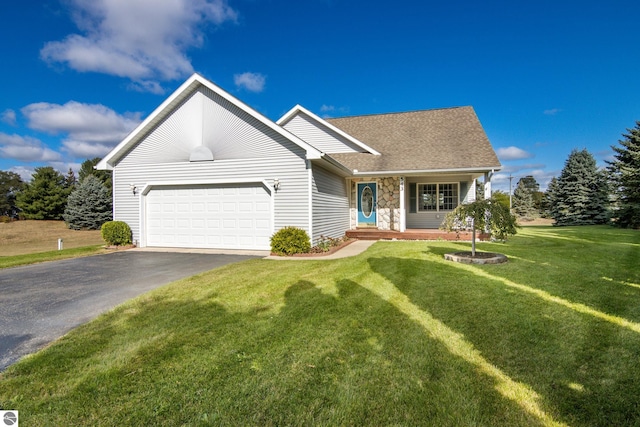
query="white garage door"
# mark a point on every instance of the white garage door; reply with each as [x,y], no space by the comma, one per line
[213,216]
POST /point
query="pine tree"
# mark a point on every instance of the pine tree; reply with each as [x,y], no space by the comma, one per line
[523,201]
[625,178]
[88,206]
[525,197]
[581,196]
[45,197]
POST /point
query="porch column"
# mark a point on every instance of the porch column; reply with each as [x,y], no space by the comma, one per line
[403,218]
[487,184]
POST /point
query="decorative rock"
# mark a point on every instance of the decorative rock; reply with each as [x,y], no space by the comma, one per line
[480,258]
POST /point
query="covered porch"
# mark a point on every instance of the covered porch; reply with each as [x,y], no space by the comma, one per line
[411,206]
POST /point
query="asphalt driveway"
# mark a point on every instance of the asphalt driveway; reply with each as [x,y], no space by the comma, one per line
[40,303]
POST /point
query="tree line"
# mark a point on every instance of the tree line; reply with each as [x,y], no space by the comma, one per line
[584,194]
[84,202]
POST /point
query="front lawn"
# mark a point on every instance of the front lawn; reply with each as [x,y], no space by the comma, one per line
[395,336]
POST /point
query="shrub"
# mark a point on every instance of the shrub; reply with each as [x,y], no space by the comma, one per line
[289,241]
[116,233]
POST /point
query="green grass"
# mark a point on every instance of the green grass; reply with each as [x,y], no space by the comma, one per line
[16,260]
[395,336]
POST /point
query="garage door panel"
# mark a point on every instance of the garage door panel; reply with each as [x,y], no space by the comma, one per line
[224,217]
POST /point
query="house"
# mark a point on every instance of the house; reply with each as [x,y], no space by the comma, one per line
[205,170]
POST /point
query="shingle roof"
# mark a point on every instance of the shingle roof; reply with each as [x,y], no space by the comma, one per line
[447,139]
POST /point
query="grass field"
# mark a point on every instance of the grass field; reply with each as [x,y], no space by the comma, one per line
[27,237]
[394,336]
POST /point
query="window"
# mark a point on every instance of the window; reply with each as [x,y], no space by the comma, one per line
[437,197]
[428,197]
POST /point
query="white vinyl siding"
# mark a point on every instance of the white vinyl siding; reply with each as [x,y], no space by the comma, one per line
[291,202]
[320,137]
[330,203]
[206,119]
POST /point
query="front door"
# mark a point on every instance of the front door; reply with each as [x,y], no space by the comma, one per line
[367,201]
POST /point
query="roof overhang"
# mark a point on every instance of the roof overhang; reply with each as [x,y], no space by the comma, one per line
[190,86]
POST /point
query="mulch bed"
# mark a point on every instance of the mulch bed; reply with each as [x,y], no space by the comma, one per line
[319,254]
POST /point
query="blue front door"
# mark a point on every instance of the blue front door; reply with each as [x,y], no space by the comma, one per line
[367,201]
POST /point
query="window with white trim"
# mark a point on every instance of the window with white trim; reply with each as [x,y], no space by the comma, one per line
[434,197]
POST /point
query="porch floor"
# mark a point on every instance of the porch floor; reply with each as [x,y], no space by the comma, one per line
[409,234]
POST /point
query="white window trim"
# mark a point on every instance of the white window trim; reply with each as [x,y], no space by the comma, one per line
[437,184]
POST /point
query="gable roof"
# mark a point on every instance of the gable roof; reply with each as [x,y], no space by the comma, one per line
[300,110]
[195,82]
[444,140]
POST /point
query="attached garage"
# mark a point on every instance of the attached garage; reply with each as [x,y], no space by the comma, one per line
[236,216]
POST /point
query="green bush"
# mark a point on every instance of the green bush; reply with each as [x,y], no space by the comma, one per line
[116,233]
[289,241]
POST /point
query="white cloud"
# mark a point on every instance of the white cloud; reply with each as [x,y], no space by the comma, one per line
[92,129]
[552,111]
[327,108]
[512,153]
[26,149]
[86,150]
[8,117]
[253,82]
[143,40]
[24,172]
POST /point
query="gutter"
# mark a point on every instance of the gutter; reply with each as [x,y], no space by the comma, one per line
[410,172]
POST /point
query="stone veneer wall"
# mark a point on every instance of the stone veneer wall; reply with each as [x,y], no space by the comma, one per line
[388,202]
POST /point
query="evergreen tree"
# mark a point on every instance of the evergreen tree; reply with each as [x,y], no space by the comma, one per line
[70,180]
[87,168]
[89,205]
[581,196]
[523,201]
[10,186]
[625,178]
[45,197]
[533,187]
[549,198]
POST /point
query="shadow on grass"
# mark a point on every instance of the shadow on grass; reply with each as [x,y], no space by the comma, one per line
[350,359]
[582,367]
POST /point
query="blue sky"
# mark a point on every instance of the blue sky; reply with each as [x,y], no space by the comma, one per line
[544,77]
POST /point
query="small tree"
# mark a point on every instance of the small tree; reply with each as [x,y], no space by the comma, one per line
[625,178]
[482,214]
[88,206]
[45,197]
[70,180]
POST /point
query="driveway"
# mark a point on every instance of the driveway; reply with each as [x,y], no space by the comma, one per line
[40,303]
